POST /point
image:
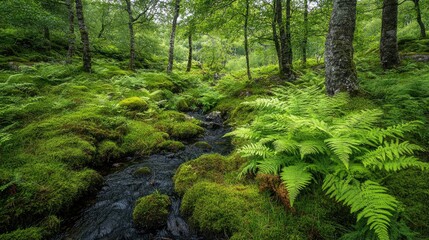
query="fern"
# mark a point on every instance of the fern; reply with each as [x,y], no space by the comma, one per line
[301,132]
[295,178]
[369,200]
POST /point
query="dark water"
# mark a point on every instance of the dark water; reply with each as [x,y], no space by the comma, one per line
[110,217]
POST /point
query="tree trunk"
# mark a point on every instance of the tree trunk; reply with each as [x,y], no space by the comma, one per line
[389,54]
[132,36]
[72,37]
[188,68]
[340,69]
[288,37]
[172,36]
[275,36]
[419,19]
[246,40]
[84,37]
[285,70]
[305,37]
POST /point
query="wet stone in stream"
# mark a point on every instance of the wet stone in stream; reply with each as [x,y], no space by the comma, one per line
[110,217]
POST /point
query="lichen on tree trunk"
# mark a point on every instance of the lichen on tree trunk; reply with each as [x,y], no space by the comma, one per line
[339,66]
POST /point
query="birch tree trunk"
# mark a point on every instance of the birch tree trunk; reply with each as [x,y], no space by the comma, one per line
[84,37]
[132,36]
[172,36]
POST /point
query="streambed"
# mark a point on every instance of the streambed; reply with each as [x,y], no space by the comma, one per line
[110,215]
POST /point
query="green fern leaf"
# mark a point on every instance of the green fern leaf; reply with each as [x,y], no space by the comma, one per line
[255,150]
[343,147]
[295,178]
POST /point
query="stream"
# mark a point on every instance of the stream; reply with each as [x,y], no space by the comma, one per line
[110,215]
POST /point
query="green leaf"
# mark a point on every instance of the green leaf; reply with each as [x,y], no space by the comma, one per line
[295,178]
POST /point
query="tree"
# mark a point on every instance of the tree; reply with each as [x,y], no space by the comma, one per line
[246,41]
[84,37]
[419,18]
[72,37]
[285,41]
[389,54]
[173,36]
[340,70]
[132,36]
[305,37]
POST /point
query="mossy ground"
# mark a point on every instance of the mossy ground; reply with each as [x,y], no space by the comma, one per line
[151,211]
[59,124]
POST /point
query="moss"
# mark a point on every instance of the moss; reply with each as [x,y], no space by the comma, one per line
[134,104]
[172,146]
[185,130]
[216,208]
[207,167]
[69,149]
[142,171]
[32,233]
[411,188]
[108,150]
[151,211]
[142,139]
[203,145]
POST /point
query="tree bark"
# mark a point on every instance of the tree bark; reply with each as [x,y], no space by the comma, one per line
[72,37]
[189,66]
[419,18]
[389,53]
[339,66]
[285,70]
[132,36]
[288,36]
[246,40]
[84,37]
[305,37]
[172,36]
[275,35]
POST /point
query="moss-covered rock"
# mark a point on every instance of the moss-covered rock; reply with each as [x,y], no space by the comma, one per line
[142,139]
[142,171]
[134,104]
[172,146]
[32,233]
[151,211]
[203,145]
[207,167]
[186,130]
[108,150]
[217,208]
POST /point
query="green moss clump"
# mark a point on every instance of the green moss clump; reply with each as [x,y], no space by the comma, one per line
[108,150]
[186,130]
[134,104]
[32,233]
[151,211]
[142,171]
[216,208]
[172,146]
[207,167]
[203,145]
[142,139]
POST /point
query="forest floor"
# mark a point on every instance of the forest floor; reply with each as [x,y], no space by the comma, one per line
[60,128]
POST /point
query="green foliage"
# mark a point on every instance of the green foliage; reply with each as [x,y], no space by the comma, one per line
[142,171]
[142,138]
[301,133]
[151,211]
[172,146]
[33,233]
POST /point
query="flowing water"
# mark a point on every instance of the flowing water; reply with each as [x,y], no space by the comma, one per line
[110,216]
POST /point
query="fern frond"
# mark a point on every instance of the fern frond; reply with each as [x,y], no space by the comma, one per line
[255,150]
[375,136]
[343,147]
[286,146]
[273,165]
[244,133]
[391,154]
[271,104]
[312,147]
[249,168]
[295,178]
[369,200]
